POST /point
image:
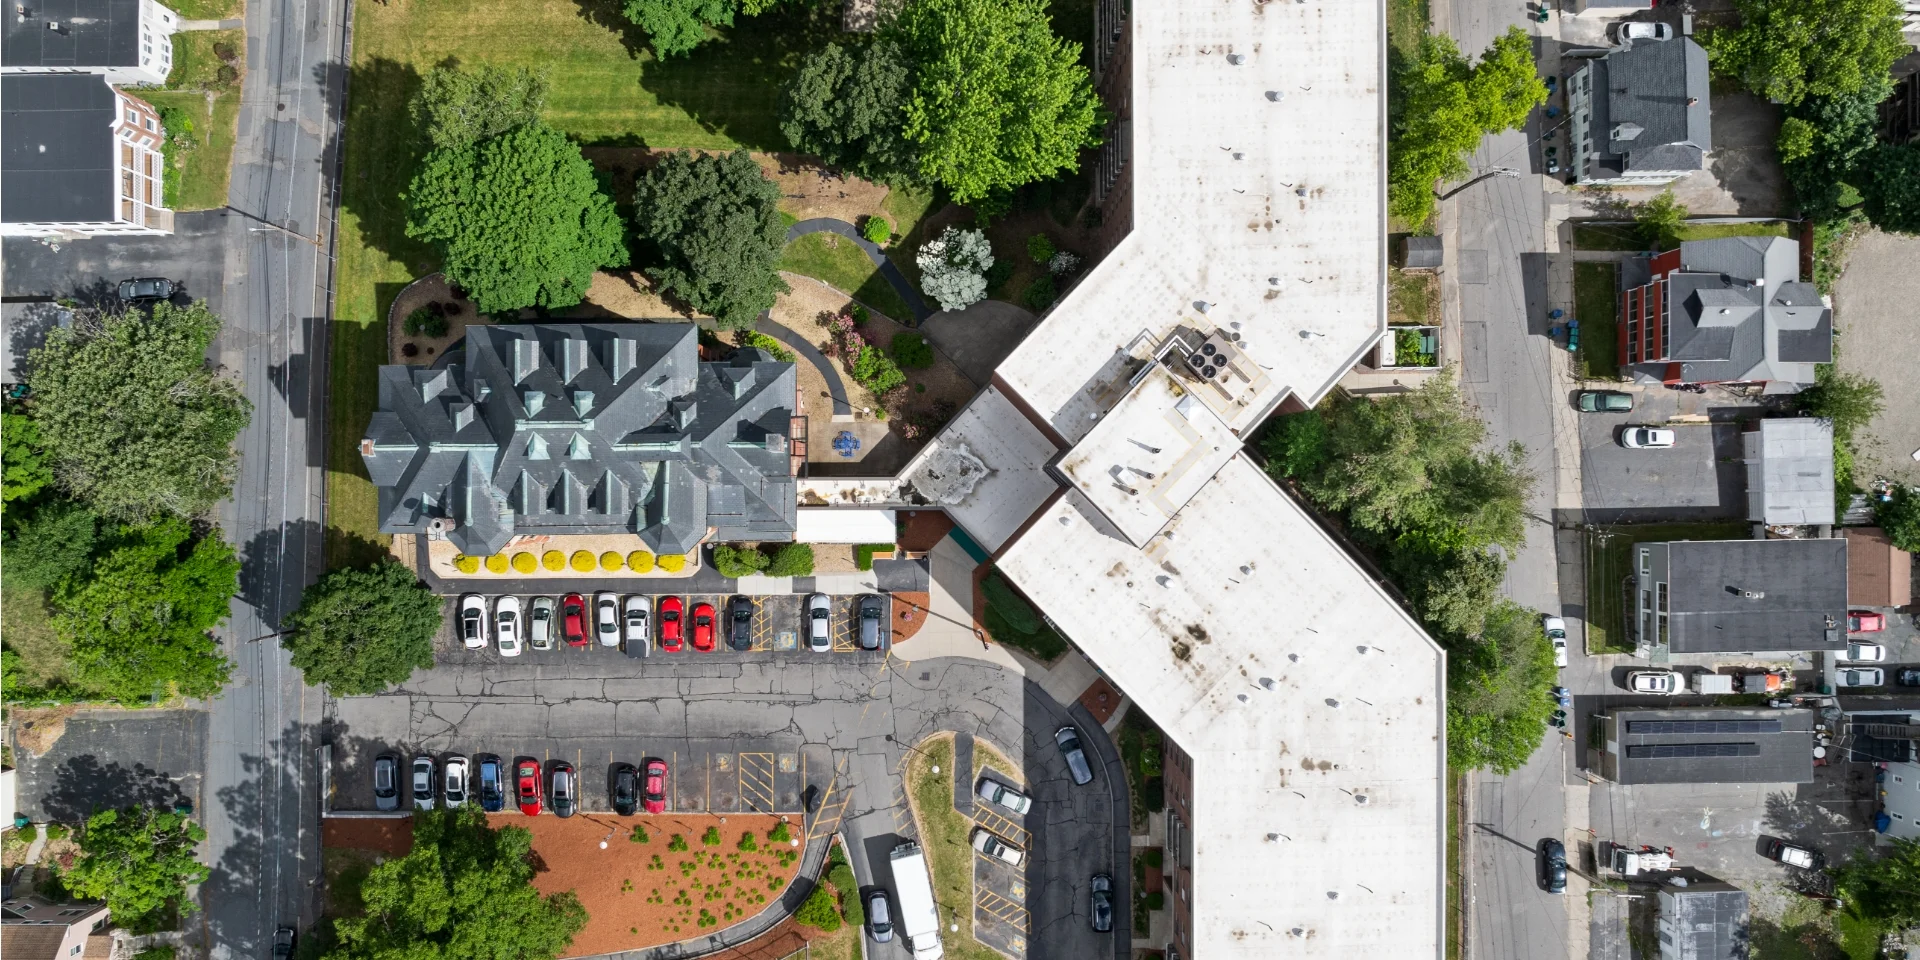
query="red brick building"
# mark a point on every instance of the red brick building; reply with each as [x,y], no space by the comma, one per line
[1731,310]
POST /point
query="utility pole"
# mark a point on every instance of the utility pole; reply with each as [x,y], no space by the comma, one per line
[1495,172]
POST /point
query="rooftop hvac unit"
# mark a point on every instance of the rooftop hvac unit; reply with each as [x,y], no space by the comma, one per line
[1214,358]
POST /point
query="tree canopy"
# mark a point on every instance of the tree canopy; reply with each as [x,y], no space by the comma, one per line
[1826,141]
[22,458]
[1899,516]
[1498,688]
[1884,888]
[675,27]
[133,422]
[998,100]
[520,219]
[465,892]
[714,226]
[456,107]
[139,861]
[138,623]
[1789,50]
[953,267]
[1892,187]
[360,631]
[846,106]
[50,544]
[1444,106]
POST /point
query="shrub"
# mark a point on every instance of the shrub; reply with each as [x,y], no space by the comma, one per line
[466,564]
[639,835]
[711,838]
[226,75]
[672,562]
[677,843]
[1041,293]
[1154,901]
[859,314]
[747,844]
[738,560]
[863,554]
[841,876]
[1064,264]
[523,562]
[773,347]
[876,371]
[1155,857]
[779,833]
[818,911]
[611,560]
[999,274]
[876,230]
[792,560]
[1154,792]
[582,561]
[1040,247]
[426,322]
[497,563]
[953,267]
[226,52]
[640,561]
[910,350]
[164,951]
[553,560]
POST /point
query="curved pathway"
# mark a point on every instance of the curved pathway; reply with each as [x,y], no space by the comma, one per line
[895,278]
[836,388]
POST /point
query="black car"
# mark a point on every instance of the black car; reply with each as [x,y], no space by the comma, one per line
[1553,866]
[1907,677]
[146,289]
[283,938]
[1069,740]
[625,789]
[1102,907]
[493,791]
[869,614]
[740,623]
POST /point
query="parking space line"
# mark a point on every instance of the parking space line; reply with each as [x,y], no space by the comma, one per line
[996,823]
[999,907]
[826,823]
[756,782]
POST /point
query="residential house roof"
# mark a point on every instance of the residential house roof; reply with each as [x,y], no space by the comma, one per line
[1710,745]
[56,149]
[1755,595]
[73,33]
[1879,574]
[1704,921]
[1738,311]
[586,428]
[1655,113]
[1790,471]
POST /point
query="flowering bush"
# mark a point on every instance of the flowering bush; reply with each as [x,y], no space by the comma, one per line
[523,562]
[1063,264]
[953,268]
[640,561]
[611,561]
[497,563]
[672,562]
[553,560]
[583,561]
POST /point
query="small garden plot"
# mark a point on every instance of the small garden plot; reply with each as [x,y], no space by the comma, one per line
[663,879]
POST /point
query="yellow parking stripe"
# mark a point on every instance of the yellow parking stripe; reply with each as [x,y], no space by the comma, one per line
[756,782]
[1007,829]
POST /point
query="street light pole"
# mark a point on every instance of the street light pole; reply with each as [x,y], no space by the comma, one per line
[909,746]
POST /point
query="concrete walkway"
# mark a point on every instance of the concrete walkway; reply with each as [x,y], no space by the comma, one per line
[948,631]
[836,388]
[190,25]
[892,273]
[978,338]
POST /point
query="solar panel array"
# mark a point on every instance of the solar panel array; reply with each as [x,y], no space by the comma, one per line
[1654,728]
[1680,751]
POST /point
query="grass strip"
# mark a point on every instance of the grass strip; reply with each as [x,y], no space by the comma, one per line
[1596,304]
[1610,562]
[840,264]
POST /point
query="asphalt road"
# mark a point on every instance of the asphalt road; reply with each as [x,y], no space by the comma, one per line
[262,818]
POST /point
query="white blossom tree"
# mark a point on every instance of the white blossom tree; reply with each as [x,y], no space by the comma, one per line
[953,268]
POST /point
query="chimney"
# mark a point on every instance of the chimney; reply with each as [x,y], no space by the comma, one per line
[480,389]
[623,355]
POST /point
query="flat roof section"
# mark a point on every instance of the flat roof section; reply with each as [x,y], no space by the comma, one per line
[987,467]
[57,160]
[1790,471]
[1298,688]
[1148,456]
[1259,207]
[1731,596]
[1710,745]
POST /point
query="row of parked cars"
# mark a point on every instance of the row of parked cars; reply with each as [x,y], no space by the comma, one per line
[483,780]
[630,623]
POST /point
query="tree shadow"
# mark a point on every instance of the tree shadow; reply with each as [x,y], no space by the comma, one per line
[731,85]
[83,786]
[382,148]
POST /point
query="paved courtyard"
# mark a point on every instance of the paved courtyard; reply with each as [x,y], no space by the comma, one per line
[1700,477]
[1873,310]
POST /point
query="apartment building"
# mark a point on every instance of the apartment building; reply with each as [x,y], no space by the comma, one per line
[79,158]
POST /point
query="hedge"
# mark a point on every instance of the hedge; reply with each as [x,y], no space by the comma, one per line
[466,564]
[611,560]
[583,561]
[640,561]
[553,560]
[523,562]
[497,563]
[792,560]
[863,553]
[672,562]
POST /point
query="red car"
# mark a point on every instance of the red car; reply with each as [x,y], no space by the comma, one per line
[703,627]
[527,775]
[653,791]
[670,609]
[1865,621]
[573,619]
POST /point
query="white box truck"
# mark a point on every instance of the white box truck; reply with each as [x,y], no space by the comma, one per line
[918,919]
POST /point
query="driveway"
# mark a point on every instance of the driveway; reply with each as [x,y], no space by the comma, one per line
[194,257]
[114,758]
[1700,477]
[1873,313]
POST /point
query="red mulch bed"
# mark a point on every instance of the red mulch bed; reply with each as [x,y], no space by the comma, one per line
[921,529]
[909,613]
[1101,699]
[392,836]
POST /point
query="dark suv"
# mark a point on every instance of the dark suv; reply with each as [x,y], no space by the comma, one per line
[146,290]
[625,790]
[870,611]
[1553,866]
[740,623]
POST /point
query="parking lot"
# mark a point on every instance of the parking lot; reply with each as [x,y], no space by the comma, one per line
[779,627]
[716,775]
[1700,477]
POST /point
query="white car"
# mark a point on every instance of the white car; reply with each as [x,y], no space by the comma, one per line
[985,842]
[540,623]
[1859,677]
[606,619]
[1646,31]
[1655,681]
[423,782]
[473,621]
[1859,652]
[1646,438]
[995,792]
[506,619]
[639,633]
[1557,635]
[454,787]
[819,623]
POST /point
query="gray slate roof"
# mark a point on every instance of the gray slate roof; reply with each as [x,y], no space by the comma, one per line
[1643,121]
[1738,311]
[92,33]
[1802,602]
[1777,745]
[1710,920]
[586,429]
[56,148]
[1790,471]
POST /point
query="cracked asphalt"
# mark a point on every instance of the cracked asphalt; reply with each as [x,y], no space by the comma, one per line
[844,717]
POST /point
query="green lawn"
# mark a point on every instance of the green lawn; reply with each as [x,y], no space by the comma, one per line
[943,837]
[1626,236]
[208,9]
[606,88]
[1596,304]
[200,174]
[845,267]
[28,624]
[1406,24]
[1610,561]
